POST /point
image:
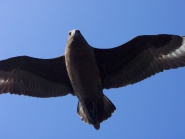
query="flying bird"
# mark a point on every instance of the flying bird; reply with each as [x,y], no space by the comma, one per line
[84,71]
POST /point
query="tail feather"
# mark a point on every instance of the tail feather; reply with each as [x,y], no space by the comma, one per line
[95,112]
[109,108]
[81,113]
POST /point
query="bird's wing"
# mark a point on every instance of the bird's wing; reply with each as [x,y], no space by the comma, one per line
[34,77]
[139,59]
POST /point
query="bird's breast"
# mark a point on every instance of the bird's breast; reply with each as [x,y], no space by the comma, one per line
[83,72]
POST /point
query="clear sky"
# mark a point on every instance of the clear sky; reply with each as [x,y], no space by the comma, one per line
[151,109]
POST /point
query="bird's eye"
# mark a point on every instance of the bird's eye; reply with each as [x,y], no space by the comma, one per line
[70,33]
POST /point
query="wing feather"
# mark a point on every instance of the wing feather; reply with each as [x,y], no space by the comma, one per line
[35,77]
[139,59]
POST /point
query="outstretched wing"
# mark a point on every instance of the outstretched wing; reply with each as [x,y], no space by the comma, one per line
[139,59]
[34,77]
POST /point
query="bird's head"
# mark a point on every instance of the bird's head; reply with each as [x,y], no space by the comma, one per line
[75,37]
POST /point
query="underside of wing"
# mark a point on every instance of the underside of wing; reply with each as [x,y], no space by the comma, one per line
[140,58]
[34,77]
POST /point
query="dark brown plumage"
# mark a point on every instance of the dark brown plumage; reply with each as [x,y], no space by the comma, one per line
[85,71]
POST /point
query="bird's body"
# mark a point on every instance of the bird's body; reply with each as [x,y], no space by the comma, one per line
[86,80]
[84,71]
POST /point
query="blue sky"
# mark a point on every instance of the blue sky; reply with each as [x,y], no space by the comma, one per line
[153,108]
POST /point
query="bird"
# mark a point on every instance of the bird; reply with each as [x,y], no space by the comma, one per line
[85,71]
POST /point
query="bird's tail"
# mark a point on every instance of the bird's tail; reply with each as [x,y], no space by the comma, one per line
[95,112]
